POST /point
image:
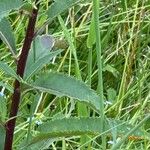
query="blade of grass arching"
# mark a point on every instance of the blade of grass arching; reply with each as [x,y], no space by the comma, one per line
[99,64]
[120,142]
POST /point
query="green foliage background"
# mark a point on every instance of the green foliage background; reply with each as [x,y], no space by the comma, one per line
[62,112]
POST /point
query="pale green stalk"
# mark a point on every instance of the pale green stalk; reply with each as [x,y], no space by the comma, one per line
[99,64]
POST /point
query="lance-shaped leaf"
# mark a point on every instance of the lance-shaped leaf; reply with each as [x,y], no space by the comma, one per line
[39,64]
[80,126]
[8,70]
[62,85]
[7,5]
[41,145]
[60,6]
[7,36]
[39,55]
[7,86]
[41,46]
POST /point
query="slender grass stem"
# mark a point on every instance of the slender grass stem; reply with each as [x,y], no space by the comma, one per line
[99,64]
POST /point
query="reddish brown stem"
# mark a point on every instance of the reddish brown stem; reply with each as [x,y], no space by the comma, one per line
[10,125]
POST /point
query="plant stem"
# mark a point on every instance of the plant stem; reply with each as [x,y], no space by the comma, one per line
[99,64]
[10,124]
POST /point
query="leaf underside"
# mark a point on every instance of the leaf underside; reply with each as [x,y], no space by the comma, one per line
[63,85]
[39,55]
[7,36]
[81,126]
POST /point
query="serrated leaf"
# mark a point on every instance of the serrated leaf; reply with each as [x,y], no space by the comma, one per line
[39,145]
[7,36]
[8,70]
[7,5]
[43,145]
[81,126]
[39,55]
[62,85]
[60,6]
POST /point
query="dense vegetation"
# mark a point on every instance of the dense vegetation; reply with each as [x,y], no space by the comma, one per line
[75,74]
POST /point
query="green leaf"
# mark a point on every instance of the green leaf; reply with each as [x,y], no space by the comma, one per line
[3,108]
[112,70]
[7,5]
[7,86]
[27,8]
[39,55]
[56,9]
[39,64]
[62,85]
[2,136]
[8,70]
[39,48]
[81,126]
[111,94]
[7,36]
[41,145]
[60,6]
[91,39]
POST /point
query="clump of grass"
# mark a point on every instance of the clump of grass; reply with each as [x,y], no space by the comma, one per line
[117,66]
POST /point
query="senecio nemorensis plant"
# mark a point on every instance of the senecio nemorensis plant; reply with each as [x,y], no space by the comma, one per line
[47,99]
